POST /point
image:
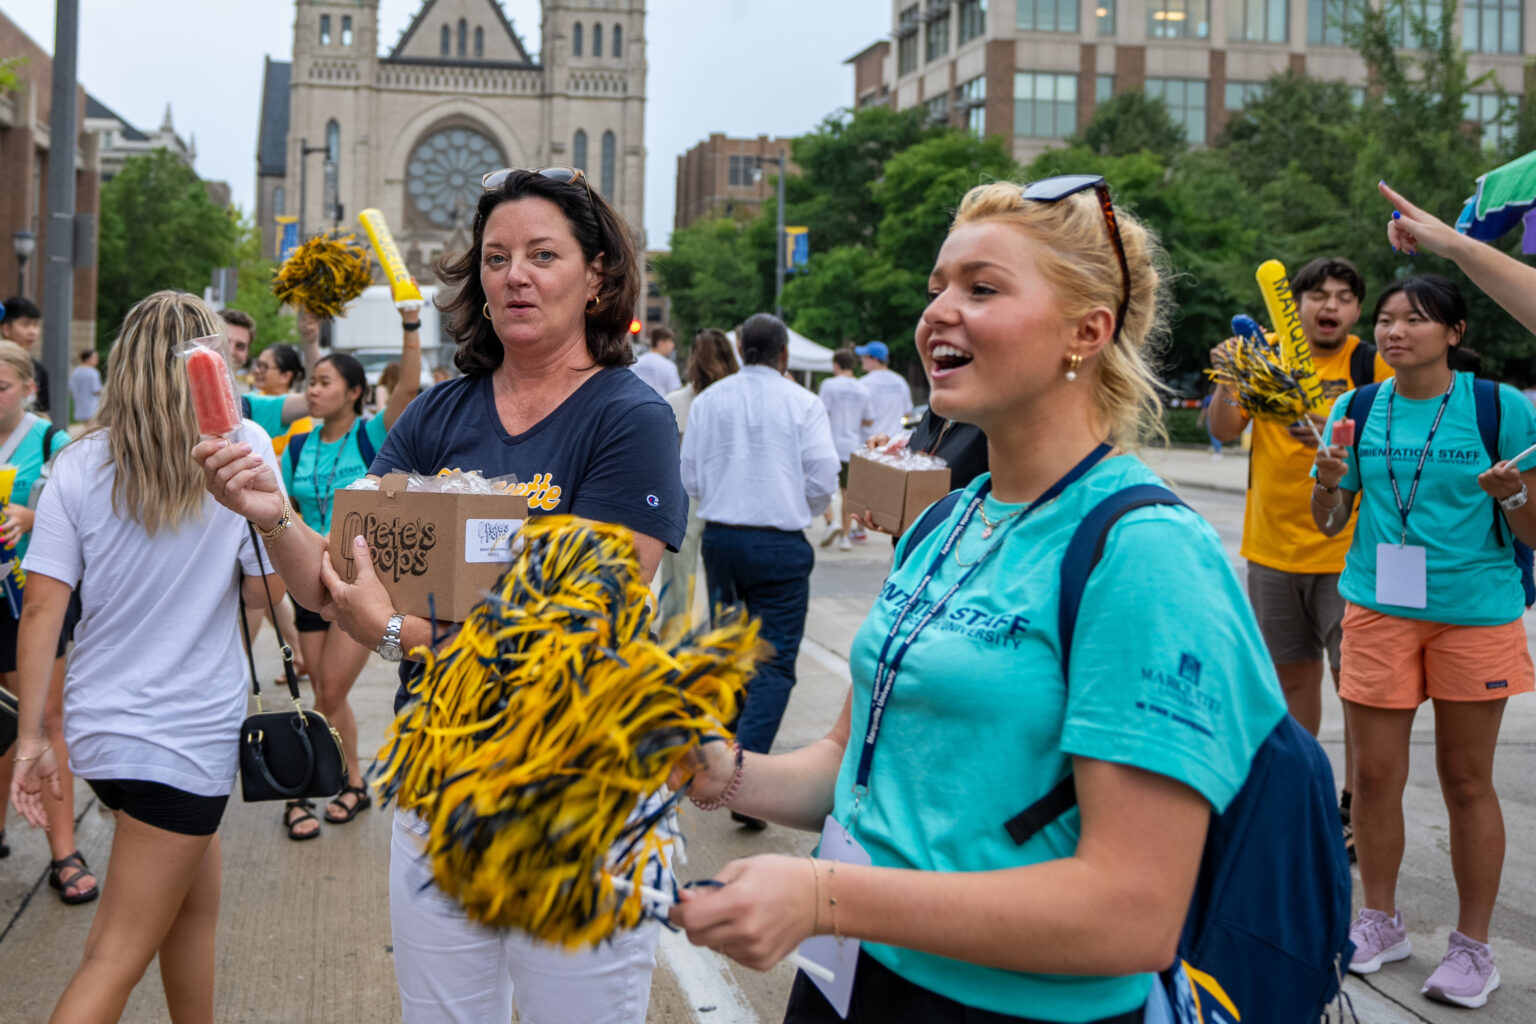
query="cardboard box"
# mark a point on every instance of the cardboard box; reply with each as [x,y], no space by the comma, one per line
[894,497]
[453,547]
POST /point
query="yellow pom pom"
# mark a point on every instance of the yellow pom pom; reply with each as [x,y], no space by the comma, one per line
[323,275]
[540,735]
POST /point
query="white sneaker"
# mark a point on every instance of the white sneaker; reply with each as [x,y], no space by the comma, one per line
[846,545]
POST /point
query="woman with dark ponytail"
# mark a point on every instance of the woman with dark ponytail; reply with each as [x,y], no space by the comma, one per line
[1434,600]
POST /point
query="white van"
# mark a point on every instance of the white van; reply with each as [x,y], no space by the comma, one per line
[371,332]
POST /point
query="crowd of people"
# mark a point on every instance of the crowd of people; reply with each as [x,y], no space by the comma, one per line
[1389,556]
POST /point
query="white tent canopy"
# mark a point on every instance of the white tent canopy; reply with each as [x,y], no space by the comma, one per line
[805,356]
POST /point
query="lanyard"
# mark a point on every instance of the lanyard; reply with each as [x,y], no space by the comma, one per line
[889,662]
[323,500]
[1413,490]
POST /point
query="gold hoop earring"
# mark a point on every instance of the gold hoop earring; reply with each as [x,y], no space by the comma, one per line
[1073,362]
[486,310]
[593,305]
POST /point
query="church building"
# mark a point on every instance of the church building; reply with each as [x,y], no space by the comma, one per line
[411,133]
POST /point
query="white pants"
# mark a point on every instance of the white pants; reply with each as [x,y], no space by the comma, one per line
[453,971]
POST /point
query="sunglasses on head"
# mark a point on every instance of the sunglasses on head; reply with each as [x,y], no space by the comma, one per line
[1050,190]
[565,175]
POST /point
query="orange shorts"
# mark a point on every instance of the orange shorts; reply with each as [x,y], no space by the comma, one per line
[1393,662]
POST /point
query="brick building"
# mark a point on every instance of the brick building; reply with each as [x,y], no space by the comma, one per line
[24,151]
[718,178]
[1033,71]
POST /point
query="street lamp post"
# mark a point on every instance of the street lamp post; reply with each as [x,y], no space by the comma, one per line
[305,149]
[23,244]
[782,161]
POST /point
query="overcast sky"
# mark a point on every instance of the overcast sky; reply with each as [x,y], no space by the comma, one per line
[742,67]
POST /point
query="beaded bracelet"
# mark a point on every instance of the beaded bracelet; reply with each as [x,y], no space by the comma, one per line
[731,790]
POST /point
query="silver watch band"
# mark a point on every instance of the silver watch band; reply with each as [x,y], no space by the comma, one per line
[1515,501]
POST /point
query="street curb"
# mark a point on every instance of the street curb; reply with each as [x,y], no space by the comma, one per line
[1206,485]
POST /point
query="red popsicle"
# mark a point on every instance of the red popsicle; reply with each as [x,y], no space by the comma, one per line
[213,396]
[1344,433]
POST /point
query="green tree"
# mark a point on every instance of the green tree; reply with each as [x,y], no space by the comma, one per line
[158,230]
[254,294]
[839,163]
[1130,122]
[713,278]
[853,294]
[9,79]
[1297,119]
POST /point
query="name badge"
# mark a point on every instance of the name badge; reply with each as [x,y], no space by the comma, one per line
[1401,577]
[841,958]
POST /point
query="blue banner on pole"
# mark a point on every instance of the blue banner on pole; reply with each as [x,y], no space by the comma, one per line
[289,239]
[798,251]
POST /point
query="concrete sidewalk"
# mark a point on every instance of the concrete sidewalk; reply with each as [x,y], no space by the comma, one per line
[1195,467]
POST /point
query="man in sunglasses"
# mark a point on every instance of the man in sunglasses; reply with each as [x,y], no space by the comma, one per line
[1293,570]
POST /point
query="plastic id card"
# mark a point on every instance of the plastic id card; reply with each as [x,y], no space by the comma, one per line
[1401,577]
[841,958]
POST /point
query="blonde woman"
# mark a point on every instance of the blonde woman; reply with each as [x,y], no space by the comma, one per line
[1042,304]
[30,443]
[156,686]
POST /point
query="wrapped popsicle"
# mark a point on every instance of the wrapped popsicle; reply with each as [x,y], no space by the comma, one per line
[213,388]
[1344,433]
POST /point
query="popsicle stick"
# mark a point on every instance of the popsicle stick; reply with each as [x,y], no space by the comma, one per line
[1528,451]
[653,895]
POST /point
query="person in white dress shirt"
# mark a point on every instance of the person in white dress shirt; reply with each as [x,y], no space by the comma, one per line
[851,411]
[889,389]
[656,367]
[758,455]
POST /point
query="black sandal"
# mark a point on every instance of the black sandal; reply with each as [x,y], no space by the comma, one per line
[56,879]
[363,802]
[5,851]
[291,821]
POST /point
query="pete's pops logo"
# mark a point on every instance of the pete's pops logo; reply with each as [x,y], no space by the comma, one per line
[399,547]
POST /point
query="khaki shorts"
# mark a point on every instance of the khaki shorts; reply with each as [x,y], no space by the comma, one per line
[1393,662]
[1300,613]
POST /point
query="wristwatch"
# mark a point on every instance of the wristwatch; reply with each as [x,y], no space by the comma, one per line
[1514,501]
[389,648]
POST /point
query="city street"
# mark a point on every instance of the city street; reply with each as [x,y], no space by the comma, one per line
[304,930]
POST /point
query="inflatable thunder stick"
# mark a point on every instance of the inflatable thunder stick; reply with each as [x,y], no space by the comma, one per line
[12,579]
[213,395]
[401,287]
[1283,314]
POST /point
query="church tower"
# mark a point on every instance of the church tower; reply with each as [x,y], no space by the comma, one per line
[457,94]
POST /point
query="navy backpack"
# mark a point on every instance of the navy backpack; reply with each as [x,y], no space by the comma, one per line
[364,445]
[1267,934]
[1485,395]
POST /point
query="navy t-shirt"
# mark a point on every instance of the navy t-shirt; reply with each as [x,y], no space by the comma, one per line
[609,452]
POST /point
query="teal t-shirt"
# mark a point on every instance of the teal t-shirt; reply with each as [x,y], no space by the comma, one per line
[28,460]
[1472,580]
[325,468]
[1169,674]
[267,412]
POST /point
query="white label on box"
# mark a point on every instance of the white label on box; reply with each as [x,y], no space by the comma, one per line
[489,540]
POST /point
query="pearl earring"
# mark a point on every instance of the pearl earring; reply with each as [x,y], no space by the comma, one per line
[1073,362]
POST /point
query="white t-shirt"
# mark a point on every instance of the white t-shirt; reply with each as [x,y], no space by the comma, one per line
[659,372]
[849,404]
[892,396]
[681,401]
[84,387]
[156,688]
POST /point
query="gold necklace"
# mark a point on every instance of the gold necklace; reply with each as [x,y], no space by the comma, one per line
[988,525]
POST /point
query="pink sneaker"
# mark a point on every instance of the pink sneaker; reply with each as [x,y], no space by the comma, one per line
[1378,940]
[1465,976]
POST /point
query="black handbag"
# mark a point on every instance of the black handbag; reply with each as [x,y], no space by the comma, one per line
[9,724]
[286,755]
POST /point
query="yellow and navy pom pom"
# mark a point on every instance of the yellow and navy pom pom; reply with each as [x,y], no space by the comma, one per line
[323,275]
[538,737]
[1259,377]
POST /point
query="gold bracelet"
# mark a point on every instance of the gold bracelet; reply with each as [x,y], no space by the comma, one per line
[832,898]
[282,524]
[816,871]
[34,757]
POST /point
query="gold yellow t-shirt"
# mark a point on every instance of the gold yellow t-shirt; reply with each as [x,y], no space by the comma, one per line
[1278,531]
[299,426]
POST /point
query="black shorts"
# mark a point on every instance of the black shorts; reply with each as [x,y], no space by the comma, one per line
[9,626]
[306,620]
[842,475]
[881,995]
[161,806]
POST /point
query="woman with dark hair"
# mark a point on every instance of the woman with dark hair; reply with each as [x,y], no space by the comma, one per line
[317,465]
[544,298]
[1434,611]
[710,358]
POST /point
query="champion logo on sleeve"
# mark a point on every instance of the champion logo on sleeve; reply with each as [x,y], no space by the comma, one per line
[653,501]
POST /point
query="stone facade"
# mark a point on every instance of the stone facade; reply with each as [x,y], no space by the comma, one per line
[458,95]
